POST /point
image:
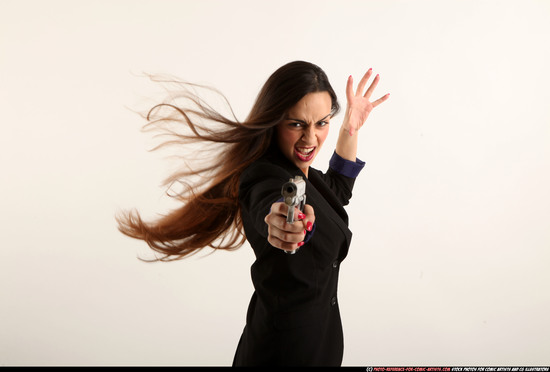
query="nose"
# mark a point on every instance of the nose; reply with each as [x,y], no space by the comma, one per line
[308,135]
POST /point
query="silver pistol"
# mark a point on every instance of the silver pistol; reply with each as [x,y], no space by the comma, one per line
[294,195]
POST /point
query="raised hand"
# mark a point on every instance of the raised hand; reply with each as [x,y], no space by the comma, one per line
[359,105]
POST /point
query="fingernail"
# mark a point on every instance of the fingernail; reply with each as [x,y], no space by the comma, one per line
[309,226]
[305,232]
[301,216]
[300,244]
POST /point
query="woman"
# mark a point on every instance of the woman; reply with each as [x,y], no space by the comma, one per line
[293,316]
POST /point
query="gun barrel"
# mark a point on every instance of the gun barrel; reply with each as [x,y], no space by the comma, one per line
[294,195]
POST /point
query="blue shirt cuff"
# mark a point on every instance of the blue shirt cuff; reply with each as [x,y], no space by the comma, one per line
[309,234]
[346,167]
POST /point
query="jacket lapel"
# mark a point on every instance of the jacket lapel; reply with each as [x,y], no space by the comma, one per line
[323,195]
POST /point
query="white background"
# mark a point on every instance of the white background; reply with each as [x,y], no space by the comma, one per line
[451,215]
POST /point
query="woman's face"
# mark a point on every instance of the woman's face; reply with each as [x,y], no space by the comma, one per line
[305,129]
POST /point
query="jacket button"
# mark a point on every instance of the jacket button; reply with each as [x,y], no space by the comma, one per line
[333,301]
[335,264]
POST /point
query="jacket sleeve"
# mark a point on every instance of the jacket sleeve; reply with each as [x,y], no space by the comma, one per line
[260,187]
[341,175]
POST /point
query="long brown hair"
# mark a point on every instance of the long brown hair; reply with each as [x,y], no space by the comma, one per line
[210,212]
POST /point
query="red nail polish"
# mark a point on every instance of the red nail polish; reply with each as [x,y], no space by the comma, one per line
[300,244]
[301,216]
[305,232]
[309,226]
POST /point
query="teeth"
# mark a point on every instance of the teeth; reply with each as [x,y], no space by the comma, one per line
[305,151]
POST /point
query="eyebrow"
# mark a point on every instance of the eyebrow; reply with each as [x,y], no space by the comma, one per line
[304,122]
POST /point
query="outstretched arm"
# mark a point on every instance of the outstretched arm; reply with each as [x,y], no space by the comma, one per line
[358,109]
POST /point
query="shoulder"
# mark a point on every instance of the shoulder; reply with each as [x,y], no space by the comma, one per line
[269,166]
[262,170]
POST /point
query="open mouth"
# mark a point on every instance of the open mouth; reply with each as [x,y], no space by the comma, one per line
[304,153]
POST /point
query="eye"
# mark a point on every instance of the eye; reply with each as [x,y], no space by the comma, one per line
[295,125]
[322,123]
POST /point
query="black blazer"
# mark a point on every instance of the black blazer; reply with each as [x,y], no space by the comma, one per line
[293,317]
